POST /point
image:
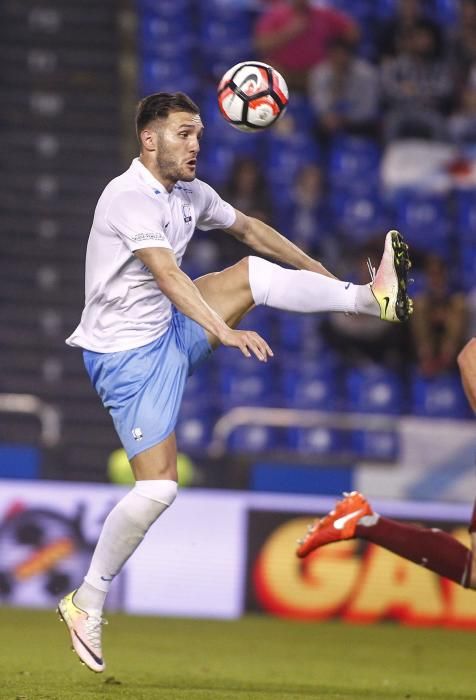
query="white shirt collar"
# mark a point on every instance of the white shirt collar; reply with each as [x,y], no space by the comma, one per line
[147,176]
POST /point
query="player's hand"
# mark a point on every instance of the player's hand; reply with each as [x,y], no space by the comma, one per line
[249,342]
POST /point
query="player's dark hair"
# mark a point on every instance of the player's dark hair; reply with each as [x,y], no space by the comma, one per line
[159,105]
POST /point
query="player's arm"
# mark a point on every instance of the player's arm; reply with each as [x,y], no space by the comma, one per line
[467,368]
[185,296]
[267,241]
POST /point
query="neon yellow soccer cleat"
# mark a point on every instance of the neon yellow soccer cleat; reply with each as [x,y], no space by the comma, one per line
[85,631]
[389,283]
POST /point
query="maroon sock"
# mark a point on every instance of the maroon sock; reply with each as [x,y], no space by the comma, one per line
[472,522]
[434,549]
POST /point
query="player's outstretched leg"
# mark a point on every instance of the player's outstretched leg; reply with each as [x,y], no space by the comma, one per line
[85,631]
[311,292]
[353,516]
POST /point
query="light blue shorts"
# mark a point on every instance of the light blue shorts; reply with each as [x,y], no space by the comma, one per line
[143,388]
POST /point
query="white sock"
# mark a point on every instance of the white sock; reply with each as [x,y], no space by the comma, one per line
[306,292]
[122,532]
[369,520]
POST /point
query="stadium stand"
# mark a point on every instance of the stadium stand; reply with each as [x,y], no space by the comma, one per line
[61,77]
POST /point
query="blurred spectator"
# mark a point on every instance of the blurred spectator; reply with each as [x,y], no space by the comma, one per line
[309,220]
[462,42]
[439,322]
[344,91]
[246,189]
[462,124]
[418,87]
[293,37]
[392,38]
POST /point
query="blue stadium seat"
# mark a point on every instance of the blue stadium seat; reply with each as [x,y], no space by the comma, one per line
[194,431]
[374,389]
[315,441]
[155,31]
[424,221]
[285,156]
[445,12]
[255,438]
[299,332]
[375,444]
[300,112]
[246,385]
[466,215]
[354,163]
[439,397]
[177,8]
[359,216]
[215,163]
[386,9]
[468,264]
[311,385]
[157,74]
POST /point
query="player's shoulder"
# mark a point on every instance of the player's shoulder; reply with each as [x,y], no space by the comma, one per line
[195,191]
[128,190]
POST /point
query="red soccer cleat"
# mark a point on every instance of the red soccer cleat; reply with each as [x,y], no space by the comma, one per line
[339,524]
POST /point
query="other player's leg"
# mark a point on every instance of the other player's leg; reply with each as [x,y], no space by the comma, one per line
[434,549]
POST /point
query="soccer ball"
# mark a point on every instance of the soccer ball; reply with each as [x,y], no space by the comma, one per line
[252,96]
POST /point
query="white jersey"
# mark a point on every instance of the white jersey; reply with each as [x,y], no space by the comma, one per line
[124,307]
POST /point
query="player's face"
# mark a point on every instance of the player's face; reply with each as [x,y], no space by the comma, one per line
[178,145]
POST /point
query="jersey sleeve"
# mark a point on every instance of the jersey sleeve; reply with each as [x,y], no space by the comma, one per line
[138,221]
[212,210]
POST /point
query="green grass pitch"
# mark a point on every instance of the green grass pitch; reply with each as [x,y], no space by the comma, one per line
[256,658]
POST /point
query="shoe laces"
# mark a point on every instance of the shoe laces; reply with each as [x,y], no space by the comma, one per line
[93,630]
[372,270]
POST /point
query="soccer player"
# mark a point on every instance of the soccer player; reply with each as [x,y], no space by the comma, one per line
[353,516]
[146,325]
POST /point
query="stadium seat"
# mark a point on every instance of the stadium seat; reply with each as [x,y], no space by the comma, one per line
[178,8]
[374,389]
[312,385]
[316,441]
[194,431]
[246,383]
[468,264]
[285,156]
[466,215]
[254,438]
[300,112]
[163,36]
[299,332]
[359,216]
[215,163]
[158,74]
[375,444]
[354,164]
[424,220]
[439,397]
[444,12]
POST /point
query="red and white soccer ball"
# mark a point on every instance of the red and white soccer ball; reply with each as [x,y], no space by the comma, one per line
[252,96]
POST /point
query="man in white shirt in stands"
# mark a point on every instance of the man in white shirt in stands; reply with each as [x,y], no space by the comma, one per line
[146,325]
